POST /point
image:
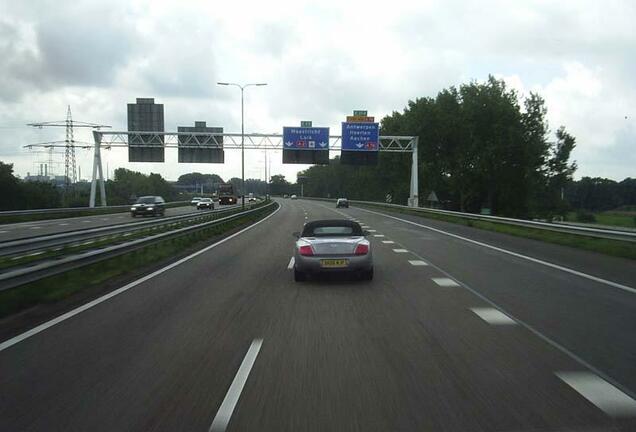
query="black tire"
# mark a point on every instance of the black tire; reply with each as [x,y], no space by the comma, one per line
[299,276]
[367,275]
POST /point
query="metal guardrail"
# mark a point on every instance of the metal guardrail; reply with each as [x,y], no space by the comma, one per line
[605,233]
[36,272]
[75,209]
[32,244]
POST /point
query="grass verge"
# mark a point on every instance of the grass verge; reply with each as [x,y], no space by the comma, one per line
[616,248]
[61,286]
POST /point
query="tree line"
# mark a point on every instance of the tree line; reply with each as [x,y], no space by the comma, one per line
[478,149]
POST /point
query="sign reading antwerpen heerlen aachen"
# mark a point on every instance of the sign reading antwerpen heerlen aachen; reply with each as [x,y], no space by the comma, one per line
[360,136]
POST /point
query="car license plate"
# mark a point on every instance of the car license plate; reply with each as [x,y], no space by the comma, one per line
[334,263]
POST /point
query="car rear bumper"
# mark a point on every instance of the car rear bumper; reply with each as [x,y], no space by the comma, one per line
[142,212]
[312,264]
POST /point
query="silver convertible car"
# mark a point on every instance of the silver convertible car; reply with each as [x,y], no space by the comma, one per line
[332,246]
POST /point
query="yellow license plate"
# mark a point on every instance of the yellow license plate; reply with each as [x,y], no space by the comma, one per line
[334,263]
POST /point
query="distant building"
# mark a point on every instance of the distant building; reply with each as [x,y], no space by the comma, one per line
[145,116]
[188,151]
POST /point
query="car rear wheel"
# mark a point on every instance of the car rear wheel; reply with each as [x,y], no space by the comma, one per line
[299,276]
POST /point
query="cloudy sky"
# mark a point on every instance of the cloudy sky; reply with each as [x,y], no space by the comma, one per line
[321,60]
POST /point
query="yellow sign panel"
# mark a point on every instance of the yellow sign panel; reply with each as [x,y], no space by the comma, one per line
[360,119]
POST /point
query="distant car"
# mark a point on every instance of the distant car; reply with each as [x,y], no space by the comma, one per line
[195,200]
[342,202]
[205,203]
[326,246]
[251,199]
[148,205]
[285,196]
[294,197]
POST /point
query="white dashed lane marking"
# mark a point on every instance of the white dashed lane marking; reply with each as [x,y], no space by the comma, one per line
[291,263]
[372,231]
[445,282]
[400,250]
[418,263]
[388,242]
[378,235]
[35,227]
[493,316]
[601,393]
[64,224]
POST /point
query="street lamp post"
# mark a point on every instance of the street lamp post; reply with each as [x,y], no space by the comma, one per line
[242,87]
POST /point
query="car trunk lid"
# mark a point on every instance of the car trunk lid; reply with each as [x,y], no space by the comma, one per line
[334,246]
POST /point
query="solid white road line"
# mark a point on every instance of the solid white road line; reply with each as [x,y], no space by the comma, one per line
[35,227]
[64,224]
[378,235]
[493,316]
[223,415]
[515,254]
[86,221]
[19,338]
[291,263]
[2,232]
[388,242]
[418,263]
[400,250]
[445,282]
[601,393]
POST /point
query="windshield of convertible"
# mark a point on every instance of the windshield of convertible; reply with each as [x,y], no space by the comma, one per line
[335,229]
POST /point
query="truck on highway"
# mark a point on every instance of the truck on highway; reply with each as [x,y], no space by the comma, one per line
[226,194]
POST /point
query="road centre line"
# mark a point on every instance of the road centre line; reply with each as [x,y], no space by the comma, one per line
[38,329]
[223,415]
[291,263]
[604,395]
[522,323]
[493,316]
[515,254]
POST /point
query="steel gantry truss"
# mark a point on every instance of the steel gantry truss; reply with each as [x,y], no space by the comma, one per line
[226,141]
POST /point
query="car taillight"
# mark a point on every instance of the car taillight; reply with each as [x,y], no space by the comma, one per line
[362,249]
[305,250]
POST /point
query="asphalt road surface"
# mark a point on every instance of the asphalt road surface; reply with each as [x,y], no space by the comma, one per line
[451,335]
[53,226]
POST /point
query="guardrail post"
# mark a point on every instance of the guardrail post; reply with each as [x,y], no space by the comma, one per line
[413,200]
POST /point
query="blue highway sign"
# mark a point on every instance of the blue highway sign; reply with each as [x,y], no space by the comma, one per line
[360,136]
[305,138]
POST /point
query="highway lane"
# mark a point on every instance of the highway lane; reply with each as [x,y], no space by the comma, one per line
[403,352]
[595,320]
[53,226]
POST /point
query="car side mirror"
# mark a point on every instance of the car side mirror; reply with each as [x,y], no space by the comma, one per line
[296,234]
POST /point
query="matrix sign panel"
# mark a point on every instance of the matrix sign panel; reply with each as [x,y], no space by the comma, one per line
[306,145]
[191,152]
